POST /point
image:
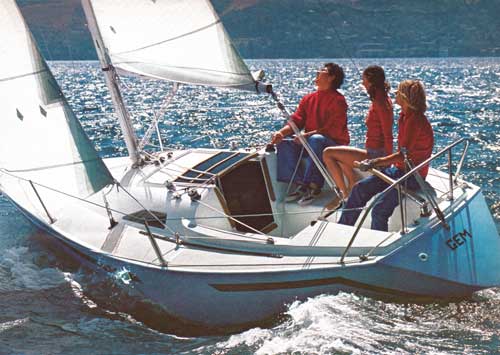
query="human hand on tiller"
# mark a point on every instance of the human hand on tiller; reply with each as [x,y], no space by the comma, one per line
[365,165]
[277,138]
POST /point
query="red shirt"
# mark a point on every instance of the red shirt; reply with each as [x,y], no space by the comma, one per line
[326,112]
[379,124]
[416,135]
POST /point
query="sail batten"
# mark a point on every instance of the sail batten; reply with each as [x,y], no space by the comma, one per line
[175,40]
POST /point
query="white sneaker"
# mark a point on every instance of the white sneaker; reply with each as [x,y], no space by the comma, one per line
[309,197]
[297,194]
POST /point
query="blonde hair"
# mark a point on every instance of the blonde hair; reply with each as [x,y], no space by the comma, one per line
[413,92]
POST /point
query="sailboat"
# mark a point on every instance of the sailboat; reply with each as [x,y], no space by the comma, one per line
[205,234]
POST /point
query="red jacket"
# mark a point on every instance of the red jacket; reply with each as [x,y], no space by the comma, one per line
[379,124]
[326,112]
[416,135]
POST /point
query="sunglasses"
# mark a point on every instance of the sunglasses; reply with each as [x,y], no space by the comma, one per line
[323,70]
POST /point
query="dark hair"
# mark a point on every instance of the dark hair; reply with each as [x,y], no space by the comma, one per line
[376,76]
[335,69]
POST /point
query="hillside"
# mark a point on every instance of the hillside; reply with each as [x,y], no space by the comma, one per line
[309,28]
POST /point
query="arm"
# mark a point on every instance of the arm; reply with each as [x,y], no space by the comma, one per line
[298,117]
[408,141]
[305,135]
[368,164]
[387,160]
[282,133]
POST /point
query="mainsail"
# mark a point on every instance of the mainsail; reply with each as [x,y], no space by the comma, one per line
[40,137]
[176,40]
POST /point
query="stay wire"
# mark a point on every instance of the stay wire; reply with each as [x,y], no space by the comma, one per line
[342,43]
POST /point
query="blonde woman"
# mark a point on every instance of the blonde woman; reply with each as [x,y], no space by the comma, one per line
[379,121]
[415,135]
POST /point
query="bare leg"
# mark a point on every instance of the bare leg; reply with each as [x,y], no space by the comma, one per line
[340,162]
[334,169]
[349,176]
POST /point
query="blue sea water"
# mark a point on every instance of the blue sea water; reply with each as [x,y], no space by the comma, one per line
[49,305]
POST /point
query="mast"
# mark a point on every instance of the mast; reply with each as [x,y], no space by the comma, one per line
[110,76]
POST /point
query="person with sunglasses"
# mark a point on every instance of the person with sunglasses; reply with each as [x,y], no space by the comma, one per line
[322,115]
[416,138]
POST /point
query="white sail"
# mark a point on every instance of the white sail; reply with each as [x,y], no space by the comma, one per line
[40,137]
[176,40]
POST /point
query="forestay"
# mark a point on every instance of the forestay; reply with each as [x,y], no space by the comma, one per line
[176,40]
[40,137]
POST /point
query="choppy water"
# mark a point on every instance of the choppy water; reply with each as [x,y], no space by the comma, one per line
[50,306]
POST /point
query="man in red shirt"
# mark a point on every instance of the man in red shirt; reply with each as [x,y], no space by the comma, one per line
[415,135]
[323,117]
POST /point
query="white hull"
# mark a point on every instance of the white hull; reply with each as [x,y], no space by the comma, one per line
[206,234]
[218,277]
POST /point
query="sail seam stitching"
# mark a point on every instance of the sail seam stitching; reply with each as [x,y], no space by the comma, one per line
[172,39]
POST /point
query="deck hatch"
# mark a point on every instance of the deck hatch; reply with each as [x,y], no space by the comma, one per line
[213,165]
[145,216]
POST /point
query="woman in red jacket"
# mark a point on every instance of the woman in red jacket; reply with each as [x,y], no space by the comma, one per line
[416,137]
[339,160]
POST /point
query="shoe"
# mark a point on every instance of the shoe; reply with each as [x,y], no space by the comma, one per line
[335,203]
[297,194]
[309,197]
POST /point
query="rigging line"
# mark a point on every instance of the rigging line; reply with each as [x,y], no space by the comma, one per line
[190,108]
[214,108]
[318,233]
[344,47]
[62,192]
[265,214]
[171,39]
[117,63]
[154,122]
[94,203]
[52,166]
[167,219]
[317,162]
[204,172]
[379,244]
[146,209]
[67,42]
[231,218]
[44,41]
[224,215]
[295,171]
[24,75]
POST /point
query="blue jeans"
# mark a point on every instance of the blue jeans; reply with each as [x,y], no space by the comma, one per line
[289,154]
[365,189]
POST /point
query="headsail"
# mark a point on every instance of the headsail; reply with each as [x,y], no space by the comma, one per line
[176,40]
[39,134]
